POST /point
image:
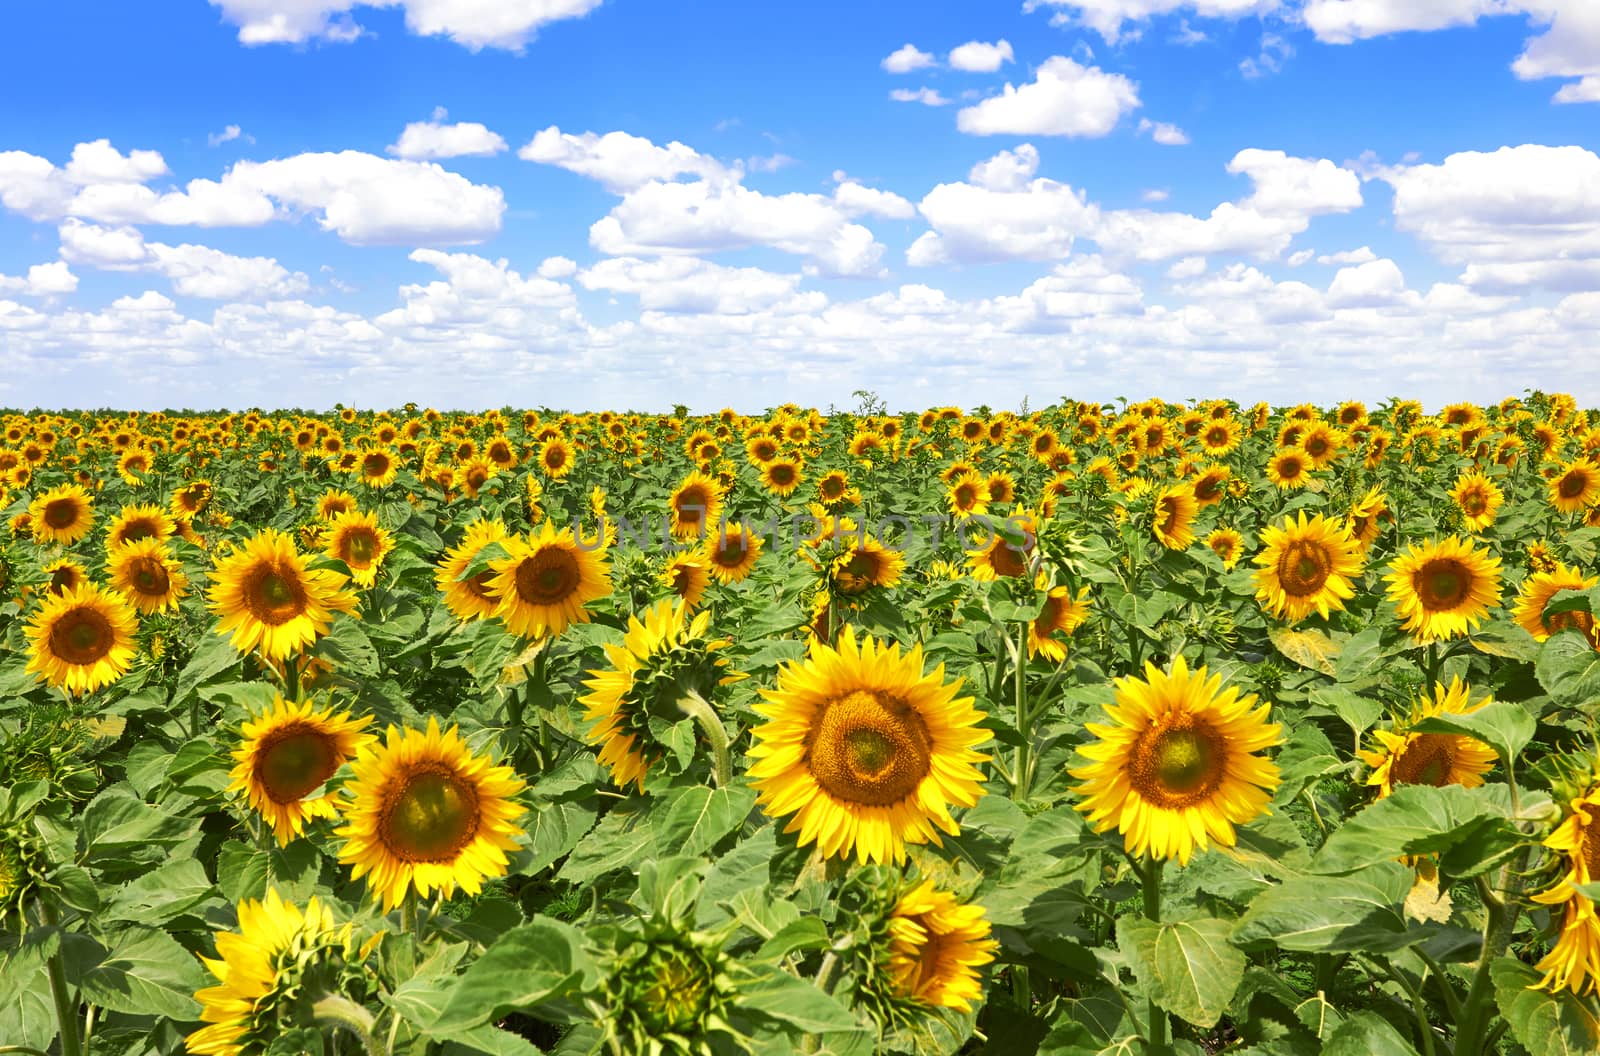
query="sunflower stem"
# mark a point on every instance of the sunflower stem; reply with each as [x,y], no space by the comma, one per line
[334,1012]
[408,914]
[705,716]
[66,1014]
[1024,763]
[1157,1041]
[1477,1009]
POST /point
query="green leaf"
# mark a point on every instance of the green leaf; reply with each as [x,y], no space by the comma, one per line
[699,817]
[807,933]
[214,655]
[481,561]
[1361,651]
[797,1002]
[1358,712]
[1417,819]
[1189,966]
[1568,668]
[347,647]
[542,960]
[1504,725]
[1550,1024]
[1348,914]
[75,887]
[1311,649]
[245,872]
[1366,1034]
[146,974]
[1507,639]
[117,822]
[161,894]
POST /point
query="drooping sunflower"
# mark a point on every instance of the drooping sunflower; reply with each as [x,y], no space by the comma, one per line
[1061,614]
[1576,486]
[191,498]
[1004,557]
[1443,589]
[134,523]
[662,659]
[1538,590]
[1366,516]
[1227,544]
[288,753]
[471,598]
[781,476]
[1174,513]
[268,599]
[696,505]
[424,812]
[1177,766]
[147,575]
[937,944]
[687,576]
[1306,567]
[546,581]
[866,750]
[61,515]
[82,639]
[1402,757]
[356,539]
[731,553]
[261,973]
[1211,485]
[1573,963]
[1478,498]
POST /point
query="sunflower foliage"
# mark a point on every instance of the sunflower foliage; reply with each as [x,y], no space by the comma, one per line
[1131,728]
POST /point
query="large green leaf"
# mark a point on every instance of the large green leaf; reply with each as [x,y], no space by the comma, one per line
[1420,819]
[1550,1024]
[1366,1034]
[1312,649]
[797,1002]
[699,817]
[146,973]
[541,960]
[1363,912]
[117,823]
[1568,668]
[1504,725]
[214,655]
[1189,966]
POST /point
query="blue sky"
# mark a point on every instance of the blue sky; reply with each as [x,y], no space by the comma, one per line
[621,203]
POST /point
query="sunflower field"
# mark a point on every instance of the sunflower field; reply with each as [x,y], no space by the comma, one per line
[1127,728]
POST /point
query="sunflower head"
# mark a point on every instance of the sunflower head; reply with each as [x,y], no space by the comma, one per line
[356,539]
[546,581]
[136,523]
[147,575]
[61,515]
[934,947]
[1540,588]
[1442,589]
[1401,756]
[82,639]
[1306,566]
[1173,516]
[1573,963]
[286,755]
[267,597]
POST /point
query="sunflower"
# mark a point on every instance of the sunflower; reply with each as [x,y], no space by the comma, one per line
[545,582]
[1443,589]
[835,490]
[1003,558]
[1210,485]
[1061,613]
[133,465]
[865,750]
[781,476]
[268,599]
[134,523]
[967,496]
[1402,757]
[937,944]
[731,554]
[1226,544]
[61,515]
[1306,566]
[1177,766]
[1574,962]
[471,598]
[1321,445]
[1478,498]
[378,466]
[423,812]
[662,659]
[146,574]
[65,575]
[333,503]
[1366,515]
[1540,559]
[1174,514]
[191,498]
[356,539]
[1538,590]
[1001,486]
[696,505]
[1576,486]
[864,566]
[82,639]
[288,753]
[555,458]
[262,972]
[687,576]
[1289,469]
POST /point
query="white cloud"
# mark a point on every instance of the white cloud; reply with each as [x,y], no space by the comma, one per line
[907,58]
[42,280]
[1187,268]
[618,160]
[1008,170]
[925,96]
[228,135]
[475,24]
[1080,288]
[1300,257]
[688,284]
[1163,133]
[769,162]
[195,271]
[1064,99]
[1002,214]
[1155,194]
[975,56]
[557,268]
[1107,17]
[100,162]
[1350,256]
[1375,284]
[856,200]
[1275,51]
[425,140]
[483,298]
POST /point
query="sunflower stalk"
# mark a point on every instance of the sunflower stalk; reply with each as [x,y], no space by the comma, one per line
[1157,1040]
[1503,906]
[705,716]
[334,1012]
[66,1014]
[1024,758]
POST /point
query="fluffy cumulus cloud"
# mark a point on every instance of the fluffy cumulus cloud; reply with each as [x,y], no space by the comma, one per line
[433,139]
[42,280]
[1167,135]
[1064,99]
[1003,212]
[689,284]
[195,271]
[976,56]
[926,96]
[475,24]
[906,58]
[618,160]
[1516,217]
[1118,19]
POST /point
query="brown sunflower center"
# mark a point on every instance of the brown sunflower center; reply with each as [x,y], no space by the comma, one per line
[1590,846]
[1178,765]
[832,487]
[1427,760]
[149,576]
[431,818]
[81,636]
[1304,567]
[870,749]
[1290,468]
[548,577]
[860,572]
[274,595]
[729,553]
[375,465]
[478,585]
[1171,514]
[359,548]
[1572,485]
[783,475]
[1473,503]
[1442,584]
[1222,547]
[294,760]
[555,458]
[137,529]
[1559,621]
[61,513]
